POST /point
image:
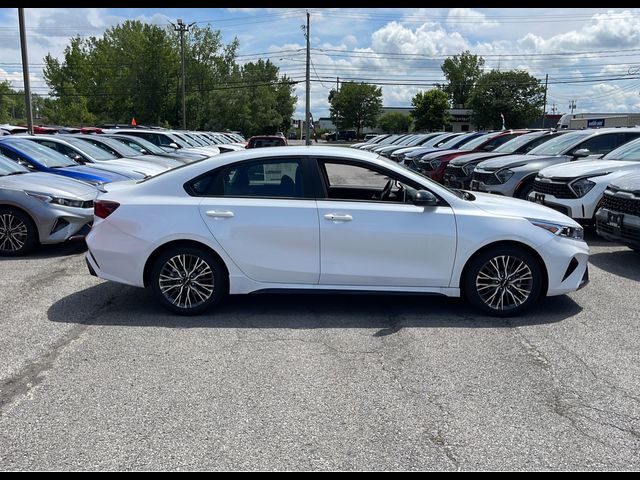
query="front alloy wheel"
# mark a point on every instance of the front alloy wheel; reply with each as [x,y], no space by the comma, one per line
[188,280]
[17,233]
[503,281]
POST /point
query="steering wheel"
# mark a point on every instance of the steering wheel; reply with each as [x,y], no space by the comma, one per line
[386,191]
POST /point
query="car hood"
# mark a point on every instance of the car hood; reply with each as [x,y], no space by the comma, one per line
[107,175]
[154,160]
[586,168]
[494,164]
[628,183]
[513,207]
[422,151]
[475,158]
[440,153]
[51,184]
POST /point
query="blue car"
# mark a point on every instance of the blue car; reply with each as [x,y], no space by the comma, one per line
[43,159]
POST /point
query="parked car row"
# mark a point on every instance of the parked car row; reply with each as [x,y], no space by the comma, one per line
[48,182]
[588,175]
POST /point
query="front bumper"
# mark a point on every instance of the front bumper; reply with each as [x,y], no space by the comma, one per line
[581,209]
[618,227]
[507,189]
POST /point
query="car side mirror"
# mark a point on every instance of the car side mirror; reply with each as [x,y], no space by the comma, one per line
[174,145]
[583,152]
[78,159]
[424,198]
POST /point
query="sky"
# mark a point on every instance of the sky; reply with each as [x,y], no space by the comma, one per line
[592,56]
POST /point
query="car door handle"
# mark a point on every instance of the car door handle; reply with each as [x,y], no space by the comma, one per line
[219,214]
[338,218]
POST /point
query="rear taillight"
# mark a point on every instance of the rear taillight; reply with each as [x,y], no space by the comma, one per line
[104,208]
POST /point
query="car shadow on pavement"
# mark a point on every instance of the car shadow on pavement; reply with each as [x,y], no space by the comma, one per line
[117,305]
[624,263]
[51,251]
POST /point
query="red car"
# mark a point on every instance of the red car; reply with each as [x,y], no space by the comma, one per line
[260,141]
[434,164]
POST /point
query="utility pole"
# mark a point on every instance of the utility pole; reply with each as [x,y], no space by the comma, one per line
[544,108]
[307,115]
[182,28]
[572,106]
[25,70]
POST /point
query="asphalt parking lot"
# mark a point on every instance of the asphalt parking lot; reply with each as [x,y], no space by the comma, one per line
[96,376]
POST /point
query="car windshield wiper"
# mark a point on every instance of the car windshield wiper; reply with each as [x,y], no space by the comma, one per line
[14,173]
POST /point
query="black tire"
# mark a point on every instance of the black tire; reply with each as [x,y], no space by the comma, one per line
[18,233]
[503,281]
[525,190]
[188,280]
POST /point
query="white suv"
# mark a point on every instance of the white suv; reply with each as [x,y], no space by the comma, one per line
[576,188]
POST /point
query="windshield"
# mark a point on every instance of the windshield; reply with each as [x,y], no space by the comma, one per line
[629,152]
[415,140]
[459,140]
[476,142]
[45,155]
[9,167]
[186,140]
[561,144]
[90,149]
[515,143]
[118,147]
[138,143]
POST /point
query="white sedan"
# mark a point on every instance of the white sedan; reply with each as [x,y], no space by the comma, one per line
[328,219]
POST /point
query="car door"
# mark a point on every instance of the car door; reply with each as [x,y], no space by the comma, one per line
[367,240]
[262,214]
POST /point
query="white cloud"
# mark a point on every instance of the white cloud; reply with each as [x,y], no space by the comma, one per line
[466,20]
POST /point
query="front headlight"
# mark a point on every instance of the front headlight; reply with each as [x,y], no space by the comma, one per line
[581,187]
[504,175]
[46,198]
[577,233]
[468,169]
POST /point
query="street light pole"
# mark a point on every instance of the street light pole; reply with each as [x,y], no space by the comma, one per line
[182,28]
[308,99]
[25,70]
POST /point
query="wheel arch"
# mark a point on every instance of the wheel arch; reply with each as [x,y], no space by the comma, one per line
[510,243]
[523,183]
[148,266]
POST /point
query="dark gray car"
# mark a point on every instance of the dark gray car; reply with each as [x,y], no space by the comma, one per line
[513,175]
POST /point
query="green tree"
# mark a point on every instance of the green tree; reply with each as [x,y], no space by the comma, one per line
[462,72]
[394,122]
[134,70]
[355,105]
[431,110]
[515,94]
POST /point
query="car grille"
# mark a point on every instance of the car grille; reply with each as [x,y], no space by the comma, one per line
[630,206]
[454,171]
[558,190]
[488,178]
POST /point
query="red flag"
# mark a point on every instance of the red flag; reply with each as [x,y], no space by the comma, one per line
[133,122]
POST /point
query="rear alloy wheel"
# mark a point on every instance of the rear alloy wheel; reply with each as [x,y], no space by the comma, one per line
[17,233]
[188,280]
[503,281]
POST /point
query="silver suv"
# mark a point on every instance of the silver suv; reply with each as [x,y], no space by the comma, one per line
[513,175]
